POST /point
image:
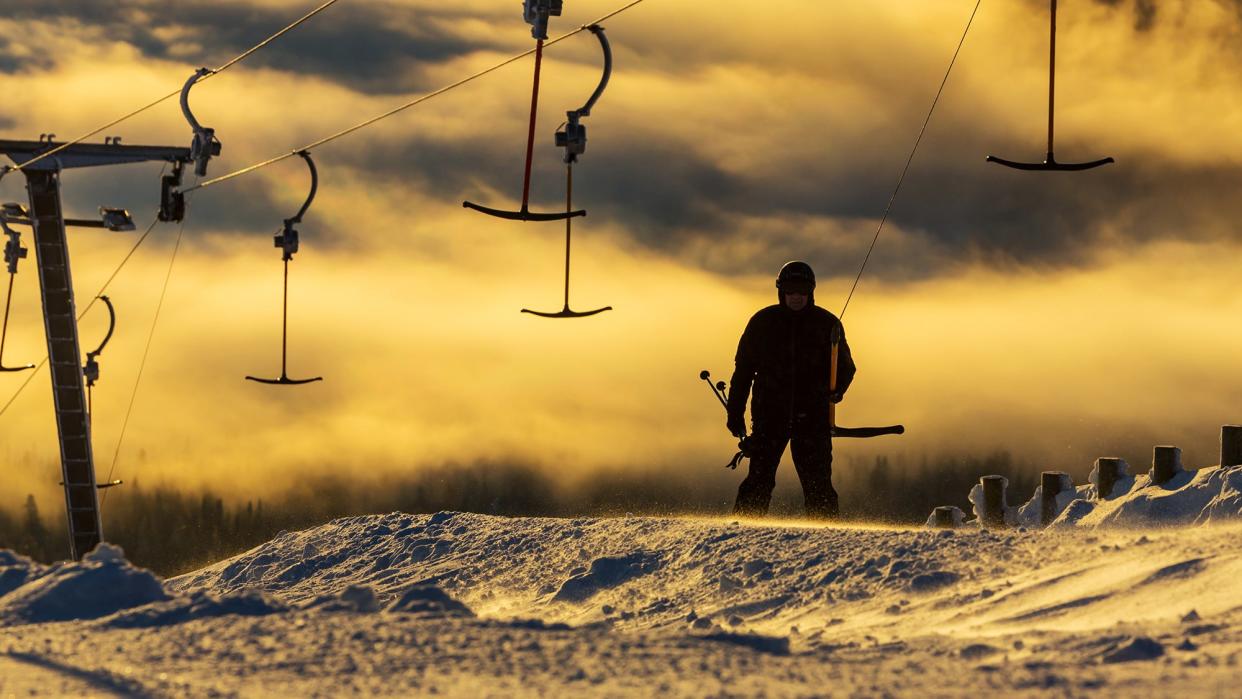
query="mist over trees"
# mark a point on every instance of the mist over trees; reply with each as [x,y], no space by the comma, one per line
[172,531]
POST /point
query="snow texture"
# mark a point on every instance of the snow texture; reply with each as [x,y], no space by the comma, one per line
[473,605]
[1190,497]
[429,599]
[16,570]
[198,605]
[101,584]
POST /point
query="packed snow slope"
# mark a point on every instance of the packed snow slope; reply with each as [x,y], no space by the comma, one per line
[470,605]
[811,585]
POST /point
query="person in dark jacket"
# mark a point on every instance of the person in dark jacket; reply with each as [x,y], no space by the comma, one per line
[784,359]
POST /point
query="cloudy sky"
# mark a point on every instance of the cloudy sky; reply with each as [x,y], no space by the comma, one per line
[1060,316]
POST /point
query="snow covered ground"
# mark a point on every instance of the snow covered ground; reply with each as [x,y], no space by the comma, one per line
[469,605]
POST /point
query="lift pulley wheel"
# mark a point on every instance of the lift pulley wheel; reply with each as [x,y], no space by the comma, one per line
[205,145]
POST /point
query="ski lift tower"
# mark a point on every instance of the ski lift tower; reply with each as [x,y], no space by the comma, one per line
[60,316]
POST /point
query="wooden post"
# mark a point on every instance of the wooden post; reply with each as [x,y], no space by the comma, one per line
[1231,445]
[993,514]
[1108,470]
[1050,486]
[945,517]
[1165,464]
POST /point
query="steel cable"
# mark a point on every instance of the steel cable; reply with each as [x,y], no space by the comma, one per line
[240,57]
[407,105]
[902,178]
[84,311]
[142,365]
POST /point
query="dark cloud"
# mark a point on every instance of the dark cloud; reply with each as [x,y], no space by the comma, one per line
[374,47]
[12,61]
[953,207]
[818,199]
[1145,12]
[820,202]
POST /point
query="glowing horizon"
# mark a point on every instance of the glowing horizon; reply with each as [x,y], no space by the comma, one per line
[1061,316]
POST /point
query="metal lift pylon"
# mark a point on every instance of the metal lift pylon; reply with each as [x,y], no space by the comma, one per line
[60,315]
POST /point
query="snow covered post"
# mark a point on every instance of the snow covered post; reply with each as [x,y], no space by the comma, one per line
[1109,470]
[946,518]
[1051,484]
[1231,445]
[993,515]
[1166,463]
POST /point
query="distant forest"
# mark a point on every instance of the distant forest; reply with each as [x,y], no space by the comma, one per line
[172,531]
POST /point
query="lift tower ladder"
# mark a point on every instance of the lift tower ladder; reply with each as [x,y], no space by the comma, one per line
[60,315]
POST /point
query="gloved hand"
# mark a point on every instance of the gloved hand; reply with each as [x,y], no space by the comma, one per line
[736,424]
[836,397]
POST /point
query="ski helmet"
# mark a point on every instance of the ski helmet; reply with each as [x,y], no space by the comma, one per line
[796,274]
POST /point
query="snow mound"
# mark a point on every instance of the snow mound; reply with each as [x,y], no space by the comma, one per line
[429,599]
[198,605]
[1141,648]
[764,644]
[101,584]
[355,598]
[1206,496]
[688,577]
[17,570]
[609,572]
[630,572]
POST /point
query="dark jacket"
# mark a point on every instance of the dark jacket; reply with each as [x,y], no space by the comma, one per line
[786,355]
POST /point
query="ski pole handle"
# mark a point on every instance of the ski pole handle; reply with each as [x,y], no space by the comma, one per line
[707,376]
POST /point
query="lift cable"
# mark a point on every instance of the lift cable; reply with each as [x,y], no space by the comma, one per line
[407,105]
[295,152]
[145,354]
[84,311]
[901,179]
[240,57]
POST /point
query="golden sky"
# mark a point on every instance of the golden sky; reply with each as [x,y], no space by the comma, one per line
[1059,316]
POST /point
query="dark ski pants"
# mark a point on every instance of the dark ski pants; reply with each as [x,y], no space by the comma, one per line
[812,457]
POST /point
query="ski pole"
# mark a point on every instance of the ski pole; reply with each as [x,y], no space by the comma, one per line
[718,390]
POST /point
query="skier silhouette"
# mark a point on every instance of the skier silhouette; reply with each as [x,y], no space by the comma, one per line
[785,355]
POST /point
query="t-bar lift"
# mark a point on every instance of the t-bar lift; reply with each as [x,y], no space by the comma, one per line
[1051,162]
[537,14]
[574,140]
[287,241]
